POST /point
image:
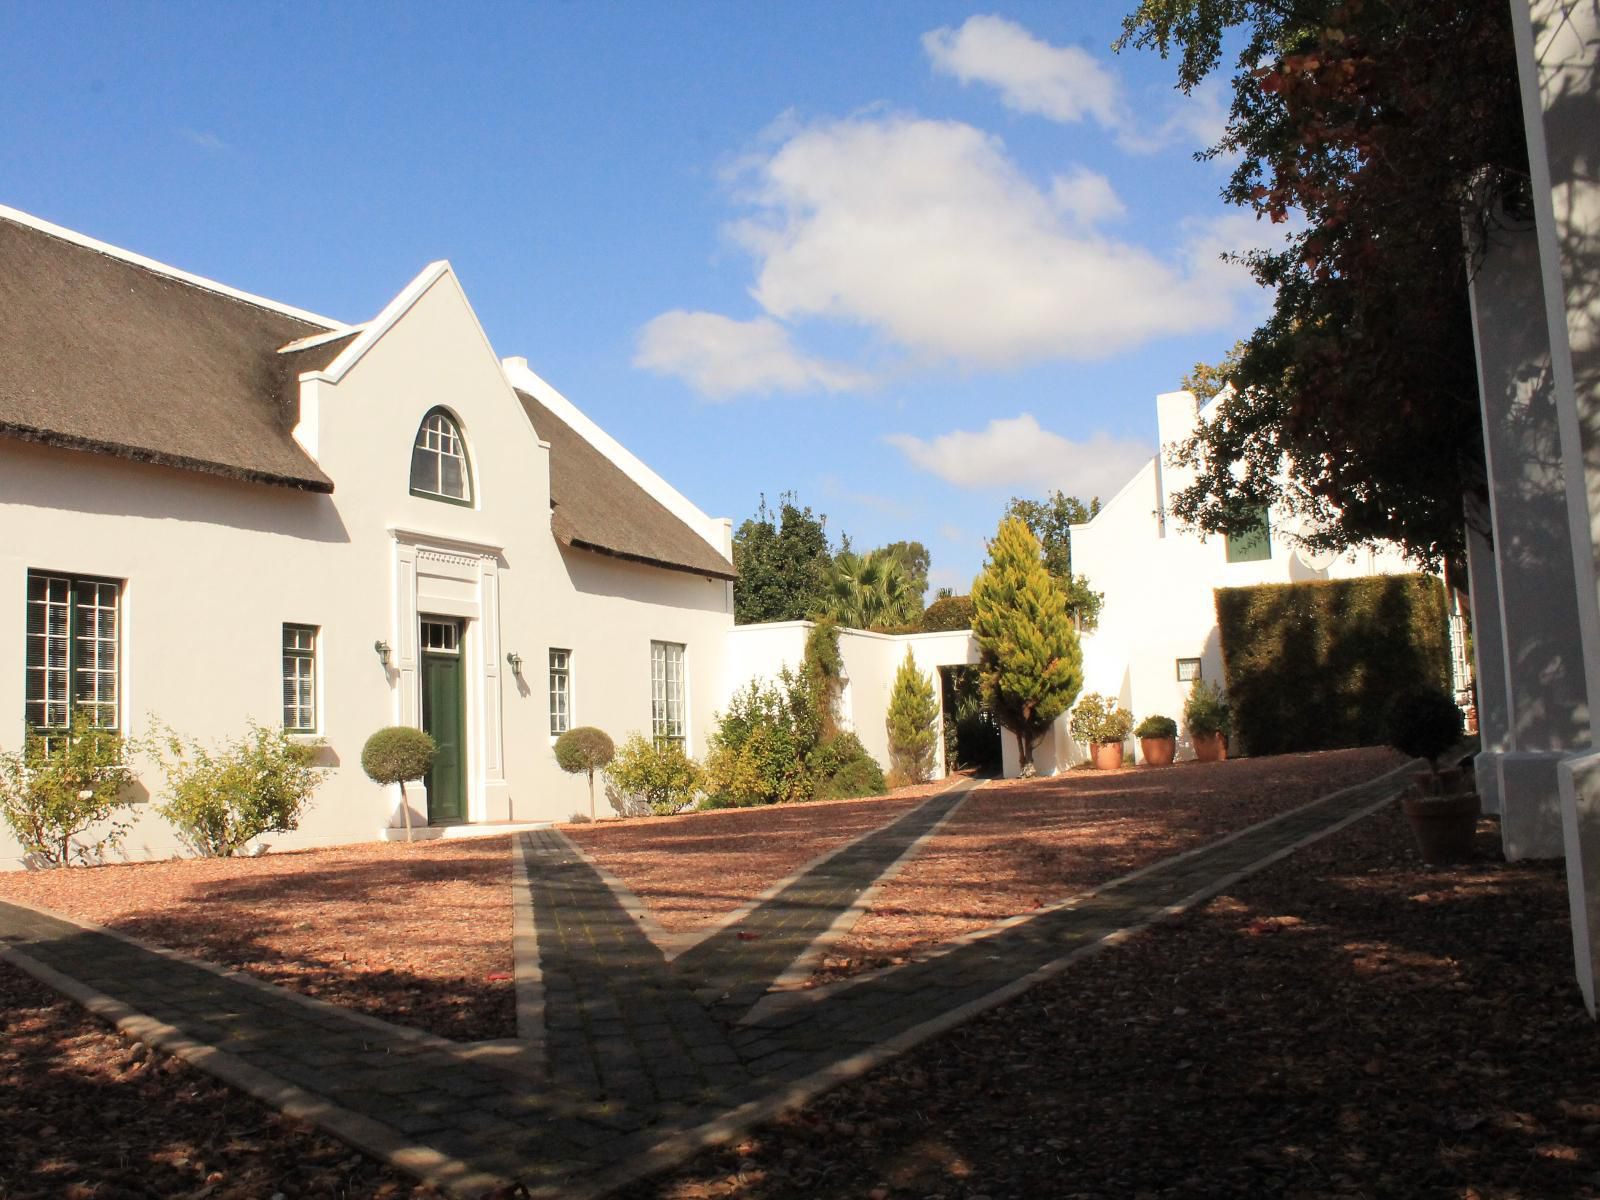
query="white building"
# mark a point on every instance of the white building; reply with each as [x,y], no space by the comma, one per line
[215,508]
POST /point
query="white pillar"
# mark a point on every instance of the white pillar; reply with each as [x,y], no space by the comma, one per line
[1558,63]
[1548,708]
[1488,665]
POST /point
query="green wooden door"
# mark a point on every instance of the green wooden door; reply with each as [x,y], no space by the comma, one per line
[442,717]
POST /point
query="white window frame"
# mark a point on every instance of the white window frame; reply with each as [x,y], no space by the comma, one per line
[1199,670]
[85,651]
[665,724]
[560,713]
[311,680]
[440,437]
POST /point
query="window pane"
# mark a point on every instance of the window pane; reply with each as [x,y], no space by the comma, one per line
[439,460]
[300,677]
[1253,545]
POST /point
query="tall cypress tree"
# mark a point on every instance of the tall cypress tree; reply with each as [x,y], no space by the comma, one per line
[1029,659]
[913,721]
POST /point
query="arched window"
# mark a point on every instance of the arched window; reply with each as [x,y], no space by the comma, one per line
[439,466]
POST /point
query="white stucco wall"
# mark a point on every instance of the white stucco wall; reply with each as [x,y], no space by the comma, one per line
[213,568]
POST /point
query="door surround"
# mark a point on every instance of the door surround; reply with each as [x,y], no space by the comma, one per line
[452,578]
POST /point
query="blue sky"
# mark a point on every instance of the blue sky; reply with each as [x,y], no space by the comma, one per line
[903,259]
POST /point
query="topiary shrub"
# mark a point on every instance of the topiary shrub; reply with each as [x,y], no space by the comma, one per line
[1157,727]
[257,784]
[1098,721]
[583,751]
[952,612]
[399,754]
[1423,722]
[1313,666]
[1205,712]
[647,777]
[57,789]
[856,778]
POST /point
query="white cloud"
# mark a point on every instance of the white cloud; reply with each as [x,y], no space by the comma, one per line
[927,234]
[1019,454]
[205,139]
[721,357]
[1062,83]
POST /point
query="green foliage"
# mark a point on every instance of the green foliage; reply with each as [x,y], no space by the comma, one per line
[971,734]
[256,784]
[1205,712]
[1030,661]
[870,591]
[1097,720]
[914,561]
[948,612]
[646,777]
[1423,722]
[758,752]
[1312,666]
[822,670]
[913,724]
[782,559]
[398,754]
[1370,131]
[584,750]
[1156,726]
[856,778]
[54,791]
[1051,520]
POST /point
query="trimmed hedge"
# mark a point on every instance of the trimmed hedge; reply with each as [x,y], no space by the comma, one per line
[1315,666]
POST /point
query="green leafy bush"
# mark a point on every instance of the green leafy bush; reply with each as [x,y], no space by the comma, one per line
[583,751]
[912,722]
[1312,666]
[256,784]
[647,777]
[398,754]
[1097,720]
[1157,727]
[1423,722]
[857,777]
[951,612]
[54,791]
[759,749]
[1205,712]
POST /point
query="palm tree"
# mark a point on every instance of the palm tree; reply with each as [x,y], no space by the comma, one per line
[866,591]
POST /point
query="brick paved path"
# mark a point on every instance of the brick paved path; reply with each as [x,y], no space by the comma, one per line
[640,1072]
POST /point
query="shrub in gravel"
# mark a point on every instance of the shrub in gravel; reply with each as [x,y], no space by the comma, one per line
[398,754]
[912,722]
[652,778]
[57,789]
[223,800]
[858,777]
[583,751]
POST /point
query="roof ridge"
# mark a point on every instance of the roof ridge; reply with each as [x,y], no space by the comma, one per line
[62,233]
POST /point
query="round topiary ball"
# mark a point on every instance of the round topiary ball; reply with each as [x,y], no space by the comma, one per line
[584,749]
[398,754]
[1424,722]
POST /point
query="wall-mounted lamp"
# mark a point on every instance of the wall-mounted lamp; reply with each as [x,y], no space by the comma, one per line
[515,660]
[382,647]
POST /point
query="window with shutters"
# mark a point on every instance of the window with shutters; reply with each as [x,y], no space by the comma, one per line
[300,678]
[1254,544]
[74,653]
[560,691]
[439,466]
[666,692]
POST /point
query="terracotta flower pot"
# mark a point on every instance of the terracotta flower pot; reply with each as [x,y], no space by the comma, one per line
[1158,752]
[1443,822]
[1210,747]
[1107,755]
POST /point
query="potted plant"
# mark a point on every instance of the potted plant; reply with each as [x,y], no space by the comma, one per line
[1158,740]
[1102,726]
[1442,806]
[1210,721]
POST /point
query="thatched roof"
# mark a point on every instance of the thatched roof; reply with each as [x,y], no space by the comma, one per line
[596,506]
[98,353]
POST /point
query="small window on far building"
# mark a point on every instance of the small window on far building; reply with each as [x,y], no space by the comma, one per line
[300,678]
[666,692]
[1188,670]
[560,691]
[1254,544]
